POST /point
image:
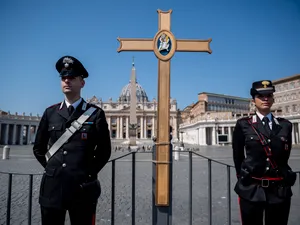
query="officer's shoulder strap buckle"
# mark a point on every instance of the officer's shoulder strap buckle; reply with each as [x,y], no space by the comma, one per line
[77,125]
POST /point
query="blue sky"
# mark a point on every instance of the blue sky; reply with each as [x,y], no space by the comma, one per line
[251,40]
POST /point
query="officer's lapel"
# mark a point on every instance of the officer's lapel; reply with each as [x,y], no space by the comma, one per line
[80,109]
[276,127]
[258,125]
[63,110]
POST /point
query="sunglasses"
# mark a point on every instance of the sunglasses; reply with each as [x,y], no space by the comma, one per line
[264,96]
[68,77]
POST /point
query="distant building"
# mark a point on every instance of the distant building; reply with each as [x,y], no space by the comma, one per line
[212,105]
[287,95]
[3,112]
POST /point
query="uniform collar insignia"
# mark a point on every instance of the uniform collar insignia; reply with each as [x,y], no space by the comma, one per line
[84,106]
[254,119]
[61,105]
[276,121]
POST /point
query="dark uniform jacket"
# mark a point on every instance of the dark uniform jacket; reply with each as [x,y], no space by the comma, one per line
[71,173]
[254,161]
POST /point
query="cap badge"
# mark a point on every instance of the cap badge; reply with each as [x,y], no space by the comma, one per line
[265,83]
[67,61]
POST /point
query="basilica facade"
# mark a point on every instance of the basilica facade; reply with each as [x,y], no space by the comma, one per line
[118,113]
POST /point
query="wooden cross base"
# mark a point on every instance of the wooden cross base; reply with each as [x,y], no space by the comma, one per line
[164,44]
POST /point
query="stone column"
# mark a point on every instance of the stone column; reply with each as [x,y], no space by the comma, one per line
[14,138]
[213,136]
[21,134]
[204,136]
[142,127]
[175,128]
[145,127]
[118,127]
[34,133]
[198,136]
[127,127]
[293,134]
[28,134]
[6,129]
[229,135]
[153,126]
[223,130]
[121,127]
[298,132]
[109,123]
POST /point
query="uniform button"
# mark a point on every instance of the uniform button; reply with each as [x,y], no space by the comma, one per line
[269,140]
[268,159]
[64,165]
[94,156]
[267,168]
[65,152]
[251,137]
[90,176]
[53,127]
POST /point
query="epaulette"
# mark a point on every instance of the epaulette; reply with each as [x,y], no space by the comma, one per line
[246,117]
[281,119]
[54,105]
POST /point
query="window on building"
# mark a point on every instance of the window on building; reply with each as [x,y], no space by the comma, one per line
[113,120]
[287,109]
[292,85]
[149,120]
[294,108]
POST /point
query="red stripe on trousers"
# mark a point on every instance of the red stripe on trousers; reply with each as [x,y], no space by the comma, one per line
[240,210]
[94,219]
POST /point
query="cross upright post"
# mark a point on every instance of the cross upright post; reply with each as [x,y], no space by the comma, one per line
[164,45]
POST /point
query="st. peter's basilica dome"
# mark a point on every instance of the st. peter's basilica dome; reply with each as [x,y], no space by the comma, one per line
[141,95]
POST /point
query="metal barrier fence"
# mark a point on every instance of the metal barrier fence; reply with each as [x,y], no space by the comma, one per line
[133,188]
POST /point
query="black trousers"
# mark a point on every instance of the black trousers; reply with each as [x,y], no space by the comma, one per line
[80,214]
[252,213]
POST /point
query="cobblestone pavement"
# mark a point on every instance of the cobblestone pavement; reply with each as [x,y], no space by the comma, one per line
[22,161]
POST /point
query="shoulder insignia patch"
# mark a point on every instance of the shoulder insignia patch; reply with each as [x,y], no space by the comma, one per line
[54,105]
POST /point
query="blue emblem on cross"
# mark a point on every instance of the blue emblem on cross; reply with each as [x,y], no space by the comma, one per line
[164,44]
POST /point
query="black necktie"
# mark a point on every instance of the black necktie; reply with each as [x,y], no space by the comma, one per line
[70,110]
[266,124]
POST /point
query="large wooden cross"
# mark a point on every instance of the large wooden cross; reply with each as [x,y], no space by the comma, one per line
[164,46]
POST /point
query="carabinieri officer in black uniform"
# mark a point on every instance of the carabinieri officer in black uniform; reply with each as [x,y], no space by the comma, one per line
[72,144]
[264,176]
